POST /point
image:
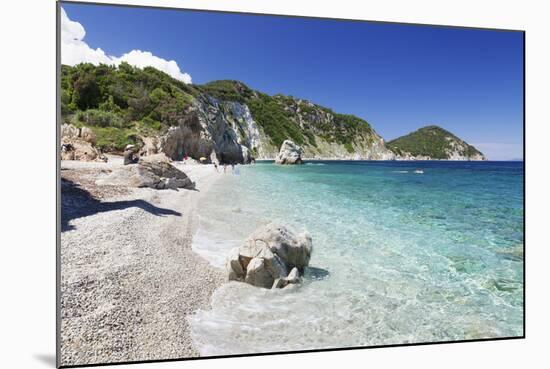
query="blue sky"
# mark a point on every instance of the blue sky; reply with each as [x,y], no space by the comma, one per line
[397,77]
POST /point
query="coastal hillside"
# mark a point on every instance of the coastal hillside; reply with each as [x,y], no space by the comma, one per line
[433,142]
[227,121]
[145,107]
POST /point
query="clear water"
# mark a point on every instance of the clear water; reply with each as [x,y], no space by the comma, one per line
[411,257]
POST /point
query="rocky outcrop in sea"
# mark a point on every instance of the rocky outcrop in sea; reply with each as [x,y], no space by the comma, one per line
[274,256]
[290,153]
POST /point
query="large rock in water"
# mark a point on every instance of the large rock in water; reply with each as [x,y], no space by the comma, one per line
[159,175]
[290,153]
[274,256]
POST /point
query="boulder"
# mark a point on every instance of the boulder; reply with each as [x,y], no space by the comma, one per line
[78,144]
[274,256]
[257,274]
[132,175]
[86,134]
[150,146]
[68,131]
[153,174]
[290,153]
[76,149]
[155,157]
[294,249]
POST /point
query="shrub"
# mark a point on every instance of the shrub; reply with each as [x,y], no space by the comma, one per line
[86,94]
[99,118]
[275,121]
[114,139]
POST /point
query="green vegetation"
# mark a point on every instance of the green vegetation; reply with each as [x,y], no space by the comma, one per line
[114,139]
[348,128]
[228,90]
[123,103]
[120,103]
[284,117]
[429,141]
[275,121]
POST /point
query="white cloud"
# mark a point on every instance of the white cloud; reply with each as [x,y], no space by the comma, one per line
[74,51]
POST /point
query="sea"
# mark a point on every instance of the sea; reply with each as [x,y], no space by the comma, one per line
[403,252]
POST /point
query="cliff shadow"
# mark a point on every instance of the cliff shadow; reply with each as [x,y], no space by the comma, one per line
[76,203]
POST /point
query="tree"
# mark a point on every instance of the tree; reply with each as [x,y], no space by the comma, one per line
[86,94]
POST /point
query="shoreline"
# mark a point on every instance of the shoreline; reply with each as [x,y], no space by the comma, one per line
[129,276]
[389,160]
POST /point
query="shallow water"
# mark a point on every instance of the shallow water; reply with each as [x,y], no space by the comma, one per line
[410,257]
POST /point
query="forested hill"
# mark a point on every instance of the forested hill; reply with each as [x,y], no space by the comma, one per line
[122,105]
[146,107]
[435,143]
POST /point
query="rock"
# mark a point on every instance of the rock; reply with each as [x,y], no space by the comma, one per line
[86,134]
[155,157]
[234,266]
[68,131]
[290,153]
[212,126]
[294,249]
[153,174]
[257,273]
[267,256]
[293,276]
[76,149]
[78,144]
[150,146]
[130,176]
[186,139]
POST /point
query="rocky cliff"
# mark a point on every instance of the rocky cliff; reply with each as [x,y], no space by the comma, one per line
[223,120]
[237,123]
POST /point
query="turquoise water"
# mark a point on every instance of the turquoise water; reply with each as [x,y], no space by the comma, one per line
[410,257]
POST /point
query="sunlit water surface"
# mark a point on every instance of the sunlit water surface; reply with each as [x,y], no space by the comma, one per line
[411,257]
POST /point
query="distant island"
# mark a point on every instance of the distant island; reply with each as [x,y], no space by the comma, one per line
[433,142]
[227,121]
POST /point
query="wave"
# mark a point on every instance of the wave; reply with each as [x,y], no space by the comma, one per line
[210,245]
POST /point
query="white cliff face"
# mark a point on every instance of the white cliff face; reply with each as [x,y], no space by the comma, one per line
[242,120]
[229,130]
[458,150]
[211,126]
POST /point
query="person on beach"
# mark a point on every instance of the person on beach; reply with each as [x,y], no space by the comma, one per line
[129,155]
[216,167]
[224,168]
